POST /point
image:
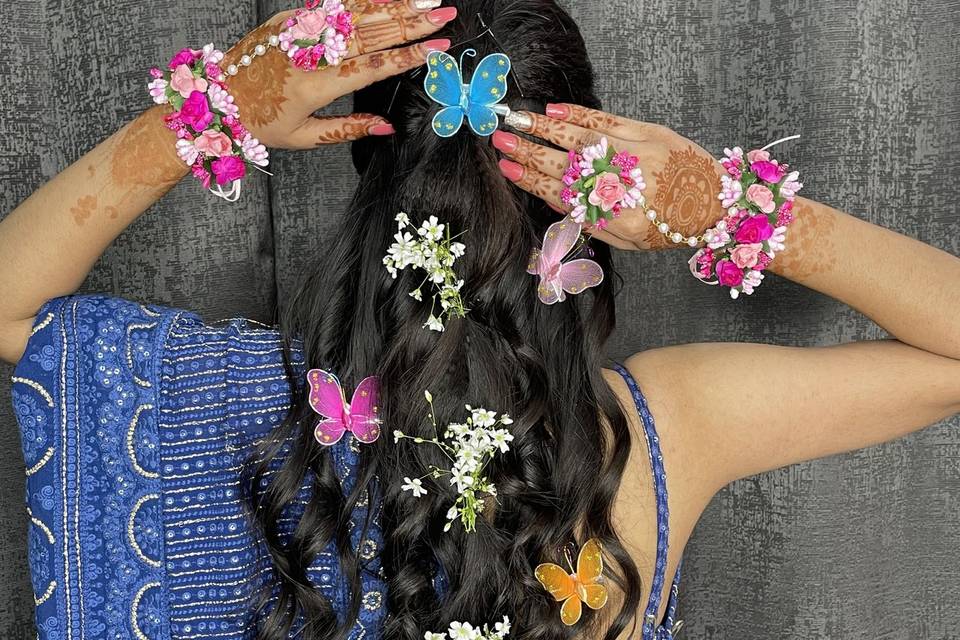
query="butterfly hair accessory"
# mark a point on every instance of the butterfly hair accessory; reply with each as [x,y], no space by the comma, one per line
[558,278]
[581,586]
[478,102]
[360,417]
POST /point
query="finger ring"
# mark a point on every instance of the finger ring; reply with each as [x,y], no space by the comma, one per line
[318,35]
[600,182]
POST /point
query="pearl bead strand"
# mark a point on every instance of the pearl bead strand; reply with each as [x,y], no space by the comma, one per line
[247,59]
[675,236]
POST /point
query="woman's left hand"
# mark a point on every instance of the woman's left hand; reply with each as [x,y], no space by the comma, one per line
[682,179]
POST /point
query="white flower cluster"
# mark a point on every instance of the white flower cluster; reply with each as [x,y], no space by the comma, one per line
[466,631]
[435,252]
[470,446]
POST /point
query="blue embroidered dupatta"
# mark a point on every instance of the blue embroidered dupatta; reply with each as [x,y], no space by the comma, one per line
[135,422]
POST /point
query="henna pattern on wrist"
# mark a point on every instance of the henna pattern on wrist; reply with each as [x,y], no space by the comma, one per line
[145,154]
[809,246]
[686,195]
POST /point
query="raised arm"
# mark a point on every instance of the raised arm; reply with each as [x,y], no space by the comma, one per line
[744,408]
[49,243]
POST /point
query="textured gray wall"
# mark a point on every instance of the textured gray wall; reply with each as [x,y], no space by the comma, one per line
[855,546]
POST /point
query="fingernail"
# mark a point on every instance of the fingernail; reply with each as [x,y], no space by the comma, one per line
[519,120]
[511,170]
[440,44]
[442,16]
[384,129]
[423,5]
[506,142]
[558,111]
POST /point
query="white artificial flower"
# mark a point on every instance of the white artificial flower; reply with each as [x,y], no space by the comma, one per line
[484,418]
[414,486]
[403,220]
[502,628]
[501,440]
[457,249]
[460,478]
[453,513]
[434,324]
[397,435]
[431,229]
[417,295]
[463,631]
[434,636]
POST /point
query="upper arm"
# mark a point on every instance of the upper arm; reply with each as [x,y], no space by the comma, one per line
[748,408]
[13,339]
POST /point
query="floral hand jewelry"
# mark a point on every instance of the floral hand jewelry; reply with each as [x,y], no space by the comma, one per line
[435,252]
[557,278]
[210,138]
[580,586]
[600,182]
[466,631]
[469,446]
[319,35]
[360,417]
[758,195]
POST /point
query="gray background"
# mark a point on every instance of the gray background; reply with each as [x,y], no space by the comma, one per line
[854,546]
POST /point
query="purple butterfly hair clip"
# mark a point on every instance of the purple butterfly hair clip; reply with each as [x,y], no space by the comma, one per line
[558,278]
[360,417]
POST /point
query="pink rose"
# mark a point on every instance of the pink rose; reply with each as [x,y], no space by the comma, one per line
[754,229]
[196,111]
[184,56]
[758,156]
[746,256]
[183,80]
[767,171]
[227,169]
[762,197]
[607,191]
[213,143]
[310,25]
[729,274]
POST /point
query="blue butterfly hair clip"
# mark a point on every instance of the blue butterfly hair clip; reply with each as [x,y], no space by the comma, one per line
[478,101]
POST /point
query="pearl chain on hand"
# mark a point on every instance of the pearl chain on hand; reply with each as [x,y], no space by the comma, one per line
[247,59]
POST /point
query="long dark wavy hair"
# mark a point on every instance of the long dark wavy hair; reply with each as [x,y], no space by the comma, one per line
[511,353]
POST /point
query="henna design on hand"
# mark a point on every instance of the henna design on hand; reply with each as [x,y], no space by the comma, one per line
[260,87]
[685,197]
[345,130]
[404,58]
[381,35]
[809,244]
[535,155]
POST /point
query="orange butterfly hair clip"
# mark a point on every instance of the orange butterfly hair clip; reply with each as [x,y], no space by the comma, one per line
[578,587]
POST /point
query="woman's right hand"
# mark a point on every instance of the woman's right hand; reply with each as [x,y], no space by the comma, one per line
[277,100]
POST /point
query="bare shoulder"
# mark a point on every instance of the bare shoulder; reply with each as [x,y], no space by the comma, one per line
[737,409]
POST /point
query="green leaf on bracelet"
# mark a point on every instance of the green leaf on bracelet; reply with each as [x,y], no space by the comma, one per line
[304,43]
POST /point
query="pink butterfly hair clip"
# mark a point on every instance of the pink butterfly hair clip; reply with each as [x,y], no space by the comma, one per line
[360,417]
[558,278]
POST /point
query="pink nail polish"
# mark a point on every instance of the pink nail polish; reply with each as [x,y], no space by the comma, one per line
[511,170]
[442,15]
[558,111]
[384,129]
[506,142]
[440,44]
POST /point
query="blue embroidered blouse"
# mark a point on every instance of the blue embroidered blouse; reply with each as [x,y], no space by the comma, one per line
[135,421]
